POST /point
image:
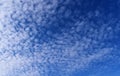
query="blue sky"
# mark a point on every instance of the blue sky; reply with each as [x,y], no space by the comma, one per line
[59,37]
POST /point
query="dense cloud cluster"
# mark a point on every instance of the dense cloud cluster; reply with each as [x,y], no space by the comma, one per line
[49,37]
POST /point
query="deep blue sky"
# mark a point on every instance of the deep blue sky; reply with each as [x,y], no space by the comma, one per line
[100,13]
[109,9]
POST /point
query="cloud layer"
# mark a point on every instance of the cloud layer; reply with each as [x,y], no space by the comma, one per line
[45,38]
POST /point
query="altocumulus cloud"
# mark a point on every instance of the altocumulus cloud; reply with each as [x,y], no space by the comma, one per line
[43,38]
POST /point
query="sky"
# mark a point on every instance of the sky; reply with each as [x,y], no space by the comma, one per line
[59,37]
